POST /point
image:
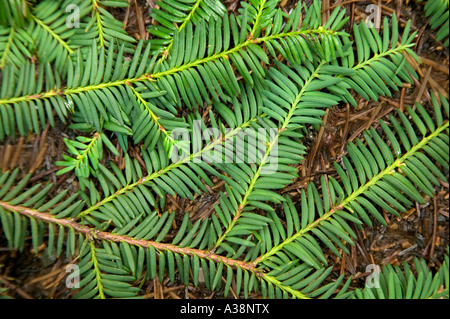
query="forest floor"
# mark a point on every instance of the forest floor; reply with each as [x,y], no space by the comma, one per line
[422,232]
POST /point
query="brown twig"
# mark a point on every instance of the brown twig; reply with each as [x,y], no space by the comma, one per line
[423,85]
[433,237]
[135,242]
[37,177]
[158,293]
[436,66]
[318,141]
[6,157]
[341,4]
[16,288]
[15,158]
[402,99]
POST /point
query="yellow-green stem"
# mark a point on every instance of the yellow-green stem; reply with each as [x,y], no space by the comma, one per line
[338,207]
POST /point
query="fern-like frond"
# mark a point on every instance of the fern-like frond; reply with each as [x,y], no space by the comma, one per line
[47,31]
[281,261]
[374,176]
[26,117]
[260,13]
[396,283]
[88,153]
[43,32]
[301,108]
[15,225]
[191,80]
[100,25]
[292,101]
[174,15]
[286,110]
[380,61]
[438,13]
[105,272]
[257,79]
[129,254]
[14,12]
[47,26]
[14,47]
[161,178]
